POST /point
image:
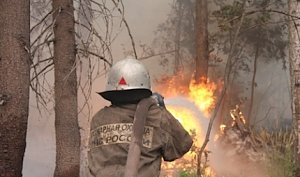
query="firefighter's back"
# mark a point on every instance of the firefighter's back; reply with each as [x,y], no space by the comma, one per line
[111,130]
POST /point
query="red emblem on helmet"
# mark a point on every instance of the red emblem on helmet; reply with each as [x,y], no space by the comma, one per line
[122,81]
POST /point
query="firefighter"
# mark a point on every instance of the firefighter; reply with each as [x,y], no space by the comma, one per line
[111,127]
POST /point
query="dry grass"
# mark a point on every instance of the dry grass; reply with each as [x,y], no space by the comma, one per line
[278,147]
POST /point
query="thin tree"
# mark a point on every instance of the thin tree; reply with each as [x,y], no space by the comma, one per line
[65,86]
[14,84]
[178,29]
[294,58]
[92,49]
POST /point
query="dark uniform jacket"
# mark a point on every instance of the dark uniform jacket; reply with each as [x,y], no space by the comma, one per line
[110,135]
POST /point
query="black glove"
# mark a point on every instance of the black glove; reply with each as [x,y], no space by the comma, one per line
[159,99]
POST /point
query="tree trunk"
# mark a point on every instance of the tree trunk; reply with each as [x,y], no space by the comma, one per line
[294,54]
[65,85]
[253,85]
[85,17]
[201,40]
[177,62]
[14,84]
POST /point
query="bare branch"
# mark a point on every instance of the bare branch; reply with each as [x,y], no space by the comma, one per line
[46,41]
[157,54]
[41,71]
[42,20]
[105,46]
[127,26]
[94,54]
[265,10]
[101,6]
[283,13]
[41,61]
[38,94]
[41,34]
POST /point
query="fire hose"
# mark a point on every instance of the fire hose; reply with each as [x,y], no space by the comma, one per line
[134,152]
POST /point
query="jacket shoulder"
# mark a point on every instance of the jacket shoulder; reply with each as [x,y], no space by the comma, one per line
[99,116]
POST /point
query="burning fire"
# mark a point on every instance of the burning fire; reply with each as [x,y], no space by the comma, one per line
[222,128]
[202,95]
[188,119]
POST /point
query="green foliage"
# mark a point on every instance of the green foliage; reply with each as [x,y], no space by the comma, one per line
[227,16]
[281,163]
[187,173]
[261,28]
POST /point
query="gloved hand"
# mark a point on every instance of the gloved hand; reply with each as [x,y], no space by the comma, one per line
[159,99]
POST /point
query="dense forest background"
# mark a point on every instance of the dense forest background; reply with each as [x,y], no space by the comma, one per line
[54,55]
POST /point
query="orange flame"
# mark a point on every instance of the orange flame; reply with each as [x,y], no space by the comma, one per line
[202,95]
[189,121]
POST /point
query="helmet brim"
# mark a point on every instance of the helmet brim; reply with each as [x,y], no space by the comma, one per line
[125,96]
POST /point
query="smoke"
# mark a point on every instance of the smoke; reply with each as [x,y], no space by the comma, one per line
[231,155]
[226,162]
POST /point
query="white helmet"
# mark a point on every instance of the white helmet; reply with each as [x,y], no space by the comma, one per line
[127,76]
